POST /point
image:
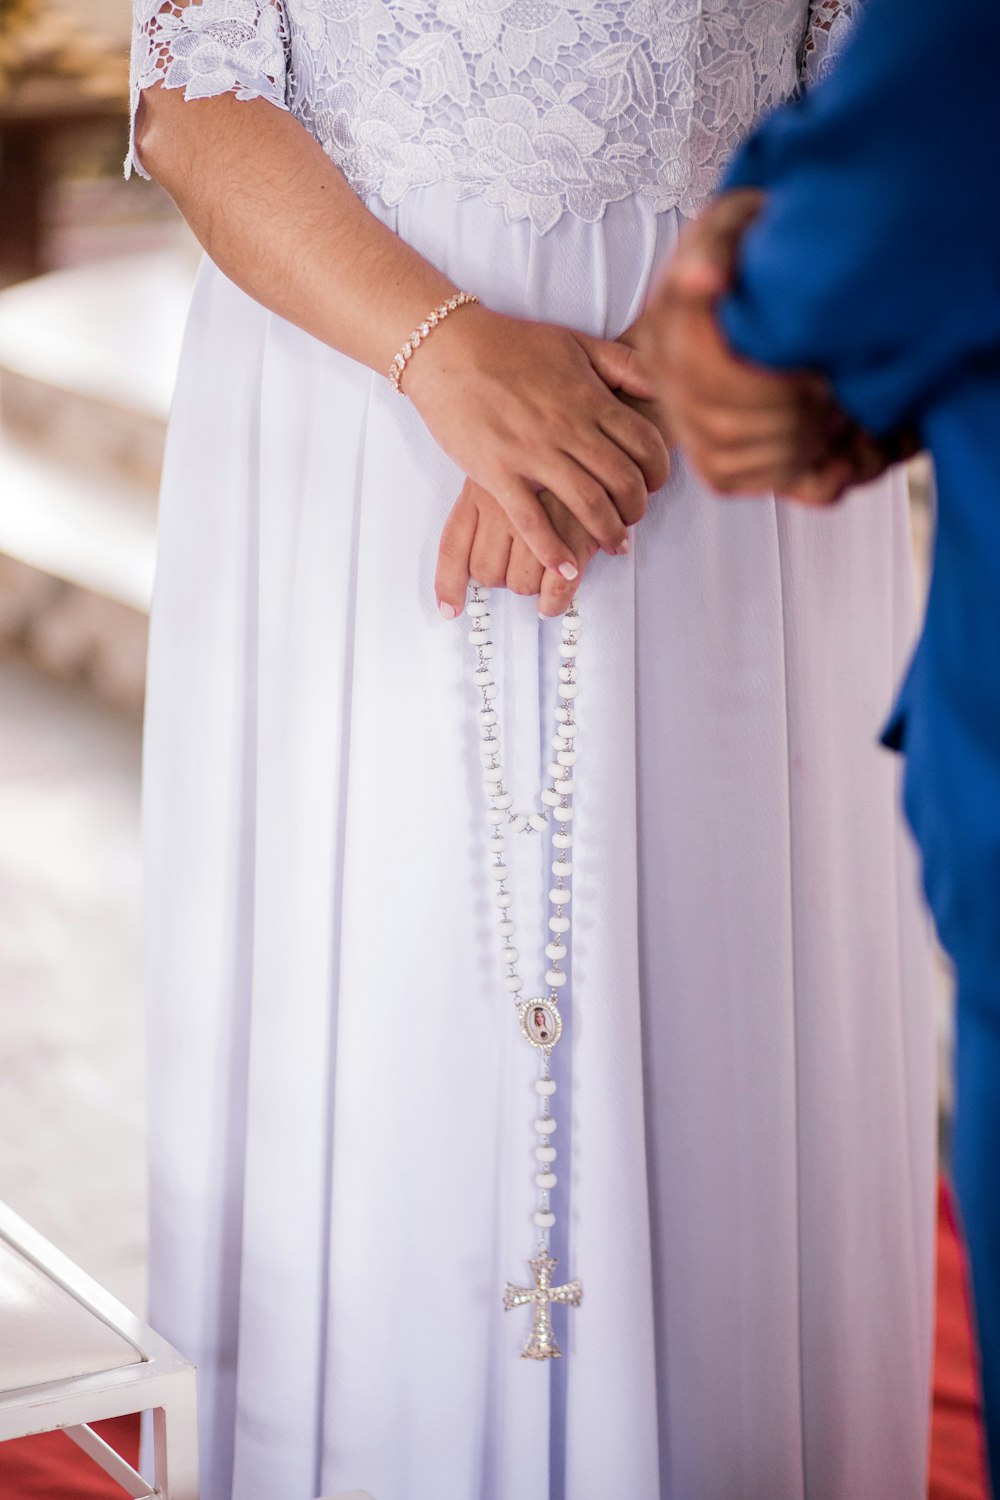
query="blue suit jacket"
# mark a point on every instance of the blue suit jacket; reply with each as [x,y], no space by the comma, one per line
[877,261]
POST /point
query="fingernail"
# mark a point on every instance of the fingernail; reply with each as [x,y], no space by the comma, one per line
[448,610]
[569,571]
[624,548]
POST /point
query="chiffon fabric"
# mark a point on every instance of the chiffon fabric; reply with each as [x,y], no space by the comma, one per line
[341,1102]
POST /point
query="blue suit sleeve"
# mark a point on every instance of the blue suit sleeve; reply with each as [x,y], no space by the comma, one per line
[877,257]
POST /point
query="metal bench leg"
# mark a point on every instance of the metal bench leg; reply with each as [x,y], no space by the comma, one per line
[175,1443]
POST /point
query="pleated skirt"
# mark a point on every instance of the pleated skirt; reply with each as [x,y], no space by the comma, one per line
[341,1100]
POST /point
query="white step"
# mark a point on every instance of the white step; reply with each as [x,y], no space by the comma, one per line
[88,359]
[98,535]
[76,572]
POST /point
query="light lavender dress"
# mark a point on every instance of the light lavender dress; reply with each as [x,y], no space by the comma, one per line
[341,1102]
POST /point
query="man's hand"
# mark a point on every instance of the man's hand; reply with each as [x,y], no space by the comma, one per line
[479,541]
[746,430]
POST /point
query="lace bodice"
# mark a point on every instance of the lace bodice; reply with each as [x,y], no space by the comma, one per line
[541,106]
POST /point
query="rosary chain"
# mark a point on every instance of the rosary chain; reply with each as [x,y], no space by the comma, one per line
[541,1022]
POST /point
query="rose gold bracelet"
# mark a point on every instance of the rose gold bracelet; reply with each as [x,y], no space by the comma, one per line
[420,333]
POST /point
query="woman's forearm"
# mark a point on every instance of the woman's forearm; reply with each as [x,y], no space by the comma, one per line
[279,220]
[518,406]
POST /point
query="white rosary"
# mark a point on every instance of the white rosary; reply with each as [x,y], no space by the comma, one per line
[540,1020]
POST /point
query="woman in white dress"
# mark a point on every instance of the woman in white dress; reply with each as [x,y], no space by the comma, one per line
[341,1107]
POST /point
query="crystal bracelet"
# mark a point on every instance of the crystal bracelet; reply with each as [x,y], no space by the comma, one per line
[421,332]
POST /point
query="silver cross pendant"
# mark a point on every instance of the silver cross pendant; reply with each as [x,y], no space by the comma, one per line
[542,1340]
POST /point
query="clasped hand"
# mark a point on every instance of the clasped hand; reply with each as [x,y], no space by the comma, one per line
[559,463]
[746,430]
[564,437]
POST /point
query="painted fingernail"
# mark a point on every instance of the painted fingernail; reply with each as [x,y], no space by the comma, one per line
[448,610]
[624,548]
[569,571]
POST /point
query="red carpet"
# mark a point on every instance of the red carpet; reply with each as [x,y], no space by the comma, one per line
[52,1468]
[957,1465]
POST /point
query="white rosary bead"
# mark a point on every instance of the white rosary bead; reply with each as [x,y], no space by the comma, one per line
[566,757]
[545,1220]
[490,690]
[567,648]
[554,768]
[569,689]
[545,1125]
[488,755]
[562,840]
[502,799]
[545,1086]
[545,1153]
[488,651]
[503,899]
[569,731]
[506,928]
[477,609]
[492,776]
[555,951]
[499,844]
[555,977]
[510,955]
[559,924]
[514,982]
[551,798]
[538,821]
[564,716]
[496,817]
[484,621]
[479,637]
[499,872]
[518,824]
[558,896]
[566,673]
[565,787]
[487,717]
[562,868]
[546,1180]
[561,814]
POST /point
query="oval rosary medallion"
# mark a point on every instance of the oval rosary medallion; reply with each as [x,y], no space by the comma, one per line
[540,1022]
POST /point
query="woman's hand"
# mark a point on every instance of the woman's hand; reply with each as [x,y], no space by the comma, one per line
[479,542]
[526,407]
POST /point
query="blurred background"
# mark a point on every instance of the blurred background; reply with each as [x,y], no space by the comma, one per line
[95,275]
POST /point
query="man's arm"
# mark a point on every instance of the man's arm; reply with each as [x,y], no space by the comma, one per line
[746,429]
[872,259]
[876,255]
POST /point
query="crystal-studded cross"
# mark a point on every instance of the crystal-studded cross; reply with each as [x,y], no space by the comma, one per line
[542,1340]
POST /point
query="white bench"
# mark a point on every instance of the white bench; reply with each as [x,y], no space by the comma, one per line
[70,1354]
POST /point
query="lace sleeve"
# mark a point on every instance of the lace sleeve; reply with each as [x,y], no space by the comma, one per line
[208,47]
[830,23]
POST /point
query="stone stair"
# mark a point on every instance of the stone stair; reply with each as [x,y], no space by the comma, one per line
[87,364]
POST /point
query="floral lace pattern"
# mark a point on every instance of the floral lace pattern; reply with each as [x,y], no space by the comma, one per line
[830,25]
[544,107]
[206,48]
